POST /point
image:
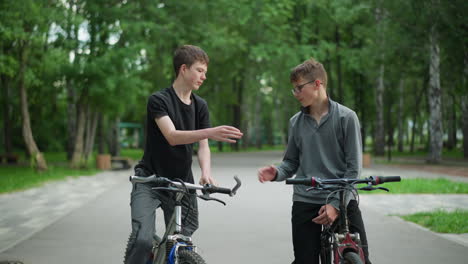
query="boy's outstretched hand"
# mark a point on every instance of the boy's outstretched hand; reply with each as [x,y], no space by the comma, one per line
[267,174]
[225,134]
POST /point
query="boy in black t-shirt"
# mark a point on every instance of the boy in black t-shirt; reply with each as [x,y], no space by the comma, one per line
[176,119]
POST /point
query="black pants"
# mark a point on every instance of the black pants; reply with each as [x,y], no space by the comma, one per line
[306,234]
[144,202]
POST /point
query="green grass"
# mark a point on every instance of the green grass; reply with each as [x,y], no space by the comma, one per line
[21,178]
[134,154]
[420,186]
[441,221]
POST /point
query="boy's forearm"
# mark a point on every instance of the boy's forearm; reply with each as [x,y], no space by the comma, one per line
[182,137]
[204,157]
[285,170]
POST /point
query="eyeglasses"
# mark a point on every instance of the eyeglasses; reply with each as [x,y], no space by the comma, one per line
[298,88]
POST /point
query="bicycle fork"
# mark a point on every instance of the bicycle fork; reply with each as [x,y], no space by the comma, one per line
[173,238]
[344,243]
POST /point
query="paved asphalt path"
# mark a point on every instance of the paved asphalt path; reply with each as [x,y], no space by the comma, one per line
[254,227]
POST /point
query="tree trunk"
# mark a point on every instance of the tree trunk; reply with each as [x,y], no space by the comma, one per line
[100,134]
[39,160]
[435,109]
[71,122]
[389,127]
[276,119]
[362,106]
[401,117]
[77,156]
[91,125]
[415,127]
[72,37]
[330,87]
[236,109]
[246,125]
[379,110]
[258,120]
[338,66]
[379,139]
[7,135]
[114,144]
[464,103]
[413,132]
[452,124]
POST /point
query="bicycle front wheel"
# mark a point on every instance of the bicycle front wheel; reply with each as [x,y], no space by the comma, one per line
[190,257]
[352,258]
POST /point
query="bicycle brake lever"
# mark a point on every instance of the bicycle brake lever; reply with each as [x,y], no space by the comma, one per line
[370,188]
[367,188]
[206,197]
[383,188]
[314,188]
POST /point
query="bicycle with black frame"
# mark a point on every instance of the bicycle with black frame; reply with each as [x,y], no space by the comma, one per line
[174,247]
[337,242]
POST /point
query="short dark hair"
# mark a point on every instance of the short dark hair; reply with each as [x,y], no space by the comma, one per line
[310,70]
[188,55]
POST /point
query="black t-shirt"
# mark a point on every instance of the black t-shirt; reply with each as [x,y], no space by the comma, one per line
[161,158]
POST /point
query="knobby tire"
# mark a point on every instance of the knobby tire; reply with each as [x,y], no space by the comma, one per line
[128,248]
[190,257]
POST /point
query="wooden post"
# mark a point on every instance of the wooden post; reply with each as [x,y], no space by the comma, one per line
[103,161]
[366,160]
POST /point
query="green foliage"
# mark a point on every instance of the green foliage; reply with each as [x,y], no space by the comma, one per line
[441,221]
[111,55]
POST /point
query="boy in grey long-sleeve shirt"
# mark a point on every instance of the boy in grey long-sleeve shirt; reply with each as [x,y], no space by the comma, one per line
[328,150]
[324,142]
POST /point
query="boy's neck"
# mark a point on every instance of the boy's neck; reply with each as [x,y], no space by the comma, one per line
[182,90]
[320,107]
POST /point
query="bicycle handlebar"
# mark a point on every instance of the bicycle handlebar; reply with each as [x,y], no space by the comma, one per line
[207,188]
[314,182]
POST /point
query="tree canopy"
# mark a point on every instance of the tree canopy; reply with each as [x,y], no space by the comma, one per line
[74,69]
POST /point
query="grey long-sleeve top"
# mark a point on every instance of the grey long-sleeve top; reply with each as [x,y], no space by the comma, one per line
[330,149]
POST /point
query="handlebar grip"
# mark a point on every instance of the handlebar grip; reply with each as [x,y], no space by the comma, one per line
[382,179]
[303,181]
[214,189]
[158,181]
